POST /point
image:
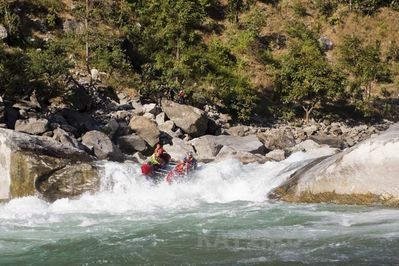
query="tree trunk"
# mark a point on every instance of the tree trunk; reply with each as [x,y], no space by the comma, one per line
[87,38]
[308,111]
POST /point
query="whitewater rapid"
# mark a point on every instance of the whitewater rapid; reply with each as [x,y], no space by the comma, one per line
[125,189]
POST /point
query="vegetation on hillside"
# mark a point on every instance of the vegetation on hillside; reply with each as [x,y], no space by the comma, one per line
[248,57]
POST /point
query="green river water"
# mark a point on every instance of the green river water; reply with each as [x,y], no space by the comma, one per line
[221,216]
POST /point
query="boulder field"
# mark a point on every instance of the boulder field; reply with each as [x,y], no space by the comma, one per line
[52,151]
[367,173]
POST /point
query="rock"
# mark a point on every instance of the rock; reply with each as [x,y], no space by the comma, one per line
[249,143]
[2,113]
[149,116]
[138,108]
[364,174]
[244,157]
[121,115]
[73,26]
[160,118]
[11,117]
[206,148]
[101,145]
[64,138]
[277,139]
[313,149]
[146,129]
[276,155]
[138,157]
[332,141]
[70,181]
[95,75]
[150,108]
[131,144]
[78,97]
[28,161]
[3,32]
[83,122]
[167,126]
[178,149]
[191,120]
[238,131]
[326,43]
[111,128]
[32,126]
[310,130]
[213,128]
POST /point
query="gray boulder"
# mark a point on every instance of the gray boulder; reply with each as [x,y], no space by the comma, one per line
[160,118]
[244,157]
[332,141]
[131,144]
[206,148]
[32,126]
[83,122]
[146,129]
[276,155]
[191,120]
[150,108]
[101,145]
[277,139]
[64,138]
[364,174]
[178,149]
[250,144]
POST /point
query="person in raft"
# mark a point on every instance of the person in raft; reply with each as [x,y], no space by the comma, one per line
[190,162]
[160,157]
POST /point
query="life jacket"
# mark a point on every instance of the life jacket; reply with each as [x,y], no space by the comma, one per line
[154,160]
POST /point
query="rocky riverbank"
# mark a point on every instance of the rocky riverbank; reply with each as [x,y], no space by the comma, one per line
[45,144]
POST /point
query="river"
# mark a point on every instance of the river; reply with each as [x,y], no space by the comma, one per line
[219,216]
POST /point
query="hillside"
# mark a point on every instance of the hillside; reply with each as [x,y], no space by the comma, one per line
[272,58]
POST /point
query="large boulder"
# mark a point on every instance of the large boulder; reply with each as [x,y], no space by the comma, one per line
[228,153]
[191,120]
[70,181]
[81,121]
[145,128]
[101,145]
[364,174]
[63,137]
[28,162]
[178,149]
[32,126]
[131,144]
[277,139]
[206,147]
[250,144]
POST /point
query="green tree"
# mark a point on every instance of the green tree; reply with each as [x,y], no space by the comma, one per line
[234,8]
[363,63]
[306,78]
[47,69]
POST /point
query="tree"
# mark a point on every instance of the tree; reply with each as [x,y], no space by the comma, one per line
[363,63]
[234,8]
[306,78]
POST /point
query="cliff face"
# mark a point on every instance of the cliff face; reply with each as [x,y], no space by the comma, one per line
[368,173]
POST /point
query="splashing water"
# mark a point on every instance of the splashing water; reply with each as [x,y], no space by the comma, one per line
[219,215]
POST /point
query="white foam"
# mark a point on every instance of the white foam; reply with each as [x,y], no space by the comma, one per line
[124,189]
